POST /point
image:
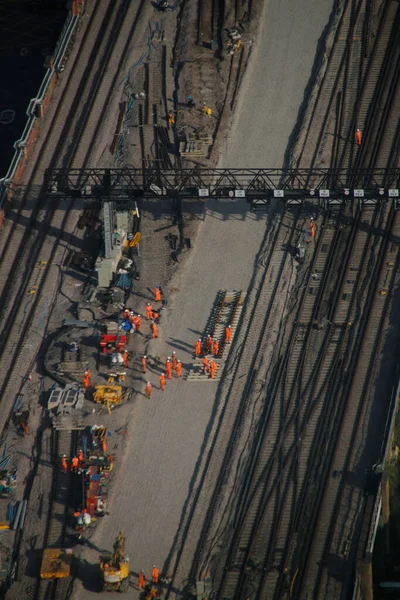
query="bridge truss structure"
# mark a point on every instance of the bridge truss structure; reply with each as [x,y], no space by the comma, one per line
[256,186]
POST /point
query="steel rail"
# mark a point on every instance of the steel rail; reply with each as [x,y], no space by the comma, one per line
[248,335]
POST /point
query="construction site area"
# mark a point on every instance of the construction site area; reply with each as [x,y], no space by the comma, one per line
[199,269]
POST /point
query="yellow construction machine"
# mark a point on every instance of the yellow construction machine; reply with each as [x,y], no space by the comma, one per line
[108,395]
[115,568]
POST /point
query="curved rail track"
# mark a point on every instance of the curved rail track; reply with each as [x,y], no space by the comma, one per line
[269,542]
[42,227]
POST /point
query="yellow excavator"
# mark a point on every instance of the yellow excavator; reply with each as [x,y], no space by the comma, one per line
[115,568]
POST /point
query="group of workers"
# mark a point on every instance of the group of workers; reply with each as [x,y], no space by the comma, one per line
[155,576]
[206,110]
[76,462]
[171,364]
[212,344]
[134,318]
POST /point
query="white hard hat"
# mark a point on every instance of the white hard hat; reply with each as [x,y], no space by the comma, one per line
[163,374]
[179,360]
[144,356]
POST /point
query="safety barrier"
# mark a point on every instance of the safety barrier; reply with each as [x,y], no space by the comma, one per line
[38,106]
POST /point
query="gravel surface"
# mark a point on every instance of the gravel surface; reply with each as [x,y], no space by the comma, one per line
[167,434]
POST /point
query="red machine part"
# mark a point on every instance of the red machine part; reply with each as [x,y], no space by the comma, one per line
[112,343]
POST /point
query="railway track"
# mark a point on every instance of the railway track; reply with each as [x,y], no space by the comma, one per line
[42,227]
[336,516]
[65,443]
[263,546]
[265,526]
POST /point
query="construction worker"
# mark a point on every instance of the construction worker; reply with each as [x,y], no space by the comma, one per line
[141,580]
[213,368]
[80,457]
[162,382]
[126,314]
[228,333]
[64,464]
[125,357]
[206,364]
[215,347]
[87,381]
[74,464]
[156,316]
[149,311]
[149,389]
[179,369]
[171,118]
[152,594]
[121,377]
[197,347]
[207,110]
[174,360]
[190,102]
[312,227]
[155,573]
[154,331]
[168,368]
[136,321]
[209,344]
[358,137]
[144,364]
[157,294]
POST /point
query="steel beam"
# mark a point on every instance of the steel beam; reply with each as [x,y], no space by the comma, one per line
[257,186]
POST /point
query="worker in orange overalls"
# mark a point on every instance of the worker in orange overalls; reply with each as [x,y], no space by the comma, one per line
[144,364]
[213,368]
[206,364]
[179,369]
[64,464]
[174,360]
[209,343]
[141,580]
[74,464]
[155,573]
[197,347]
[358,137]
[215,347]
[149,311]
[157,294]
[312,227]
[162,381]
[149,389]
[168,368]
[228,333]
[136,323]
[126,315]
[125,358]
[80,456]
[154,331]
[86,379]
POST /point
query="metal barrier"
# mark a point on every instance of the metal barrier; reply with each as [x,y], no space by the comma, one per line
[37,108]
